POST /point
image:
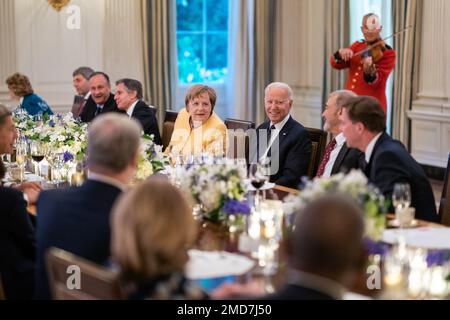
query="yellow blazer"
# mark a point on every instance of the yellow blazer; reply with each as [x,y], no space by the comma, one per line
[210,137]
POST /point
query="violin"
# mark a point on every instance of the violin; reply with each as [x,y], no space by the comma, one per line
[375,50]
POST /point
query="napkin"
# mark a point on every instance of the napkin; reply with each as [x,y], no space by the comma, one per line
[216,264]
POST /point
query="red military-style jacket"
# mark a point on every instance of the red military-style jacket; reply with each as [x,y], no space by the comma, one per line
[362,84]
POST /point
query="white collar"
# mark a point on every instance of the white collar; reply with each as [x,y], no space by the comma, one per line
[280,125]
[340,139]
[20,101]
[131,108]
[371,146]
[87,95]
[315,282]
[106,179]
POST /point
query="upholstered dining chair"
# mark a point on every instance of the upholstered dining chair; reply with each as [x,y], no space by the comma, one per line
[96,282]
[168,125]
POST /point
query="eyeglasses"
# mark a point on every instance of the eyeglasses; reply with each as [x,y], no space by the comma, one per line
[275,102]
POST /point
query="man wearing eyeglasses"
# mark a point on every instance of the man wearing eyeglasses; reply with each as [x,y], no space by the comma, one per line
[282,141]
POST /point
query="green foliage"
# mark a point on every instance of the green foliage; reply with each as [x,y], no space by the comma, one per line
[202,40]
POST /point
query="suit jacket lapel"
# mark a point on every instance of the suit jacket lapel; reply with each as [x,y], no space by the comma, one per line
[340,158]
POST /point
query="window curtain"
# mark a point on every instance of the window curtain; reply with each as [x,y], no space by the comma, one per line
[160,54]
[337,35]
[405,13]
[250,56]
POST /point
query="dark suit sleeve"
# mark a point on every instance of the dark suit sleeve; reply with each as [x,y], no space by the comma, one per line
[146,116]
[388,169]
[297,161]
[21,228]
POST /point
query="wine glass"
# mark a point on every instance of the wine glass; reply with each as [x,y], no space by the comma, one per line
[56,160]
[401,199]
[21,157]
[242,165]
[257,178]
[37,154]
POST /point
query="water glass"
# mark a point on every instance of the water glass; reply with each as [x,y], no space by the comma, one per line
[401,198]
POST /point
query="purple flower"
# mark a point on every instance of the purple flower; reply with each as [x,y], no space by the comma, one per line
[376,247]
[437,257]
[51,123]
[68,156]
[233,207]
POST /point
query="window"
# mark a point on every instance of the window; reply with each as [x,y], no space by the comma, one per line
[202,41]
[383,8]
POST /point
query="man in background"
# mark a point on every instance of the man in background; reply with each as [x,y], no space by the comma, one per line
[80,79]
[128,98]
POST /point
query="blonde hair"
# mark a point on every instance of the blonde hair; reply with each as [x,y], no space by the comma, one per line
[152,227]
[199,89]
[19,84]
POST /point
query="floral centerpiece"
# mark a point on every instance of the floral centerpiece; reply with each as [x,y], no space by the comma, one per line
[219,189]
[69,136]
[353,184]
[151,158]
[59,133]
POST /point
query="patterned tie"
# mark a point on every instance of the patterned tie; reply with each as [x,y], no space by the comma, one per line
[326,157]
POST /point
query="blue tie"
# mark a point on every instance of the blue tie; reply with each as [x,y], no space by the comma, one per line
[99,110]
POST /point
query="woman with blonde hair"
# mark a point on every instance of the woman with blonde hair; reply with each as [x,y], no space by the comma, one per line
[198,129]
[20,89]
[152,228]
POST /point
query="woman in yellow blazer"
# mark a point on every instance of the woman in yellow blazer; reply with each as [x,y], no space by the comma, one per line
[198,129]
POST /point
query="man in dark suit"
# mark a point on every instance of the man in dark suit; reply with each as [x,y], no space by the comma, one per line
[129,99]
[337,156]
[17,246]
[77,219]
[101,99]
[80,79]
[17,241]
[325,254]
[282,140]
[388,161]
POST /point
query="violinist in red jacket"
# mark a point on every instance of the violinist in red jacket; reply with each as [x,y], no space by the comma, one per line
[370,61]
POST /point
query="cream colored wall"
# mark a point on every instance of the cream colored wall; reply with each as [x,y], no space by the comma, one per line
[38,43]
[430,115]
[299,55]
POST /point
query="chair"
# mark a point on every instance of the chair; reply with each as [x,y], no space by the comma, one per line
[238,136]
[318,143]
[168,125]
[444,207]
[96,282]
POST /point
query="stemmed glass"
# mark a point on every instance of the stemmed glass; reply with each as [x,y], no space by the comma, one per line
[56,160]
[37,154]
[401,199]
[258,178]
[21,157]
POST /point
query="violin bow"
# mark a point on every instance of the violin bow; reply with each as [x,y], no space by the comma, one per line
[382,40]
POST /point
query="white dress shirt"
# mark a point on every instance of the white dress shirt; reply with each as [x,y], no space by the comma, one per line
[131,108]
[340,141]
[275,132]
[371,146]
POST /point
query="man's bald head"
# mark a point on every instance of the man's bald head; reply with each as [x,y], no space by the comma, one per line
[327,240]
